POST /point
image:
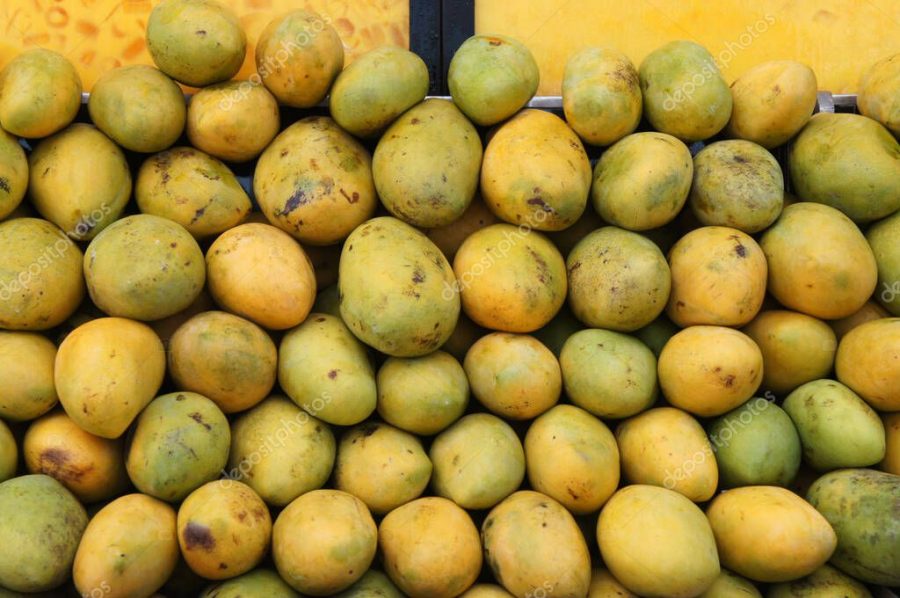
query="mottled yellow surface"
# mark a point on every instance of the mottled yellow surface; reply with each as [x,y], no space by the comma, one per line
[837,38]
[97,35]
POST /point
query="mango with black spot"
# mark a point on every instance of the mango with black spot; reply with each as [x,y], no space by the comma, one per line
[40,93]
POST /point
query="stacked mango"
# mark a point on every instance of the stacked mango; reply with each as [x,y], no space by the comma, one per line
[438,353]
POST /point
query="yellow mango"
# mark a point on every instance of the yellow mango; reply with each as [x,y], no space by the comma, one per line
[879,89]
[868,361]
[40,93]
[604,585]
[884,239]
[485,590]
[26,365]
[729,585]
[868,312]
[13,174]
[372,583]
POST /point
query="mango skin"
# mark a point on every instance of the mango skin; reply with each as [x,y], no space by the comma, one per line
[426,164]
[769,534]
[824,582]
[718,278]
[259,582]
[642,181]
[772,102]
[171,472]
[346,541]
[193,189]
[325,370]
[40,93]
[106,371]
[314,181]
[130,547]
[491,77]
[867,362]
[868,312]
[683,562]
[729,585]
[879,89]
[604,585]
[376,88]
[79,181]
[819,262]
[530,539]
[884,239]
[13,174]
[9,453]
[891,462]
[449,238]
[485,590]
[315,56]
[860,504]
[535,172]
[618,280]
[196,42]
[572,457]
[601,95]
[674,101]
[39,543]
[373,584]
[412,293]
[848,162]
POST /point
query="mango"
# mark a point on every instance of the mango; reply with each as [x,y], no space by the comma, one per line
[79,181]
[511,279]
[372,584]
[769,534]
[657,333]
[572,457]
[225,358]
[9,453]
[196,42]
[883,238]
[422,395]
[426,164]
[601,95]
[266,443]
[531,542]
[604,585]
[478,461]
[824,582]
[718,278]
[315,181]
[878,91]
[259,582]
[325,370]
[376,88]
[233,121]
[170,471]
[737,183]
[193,189]
[129,548]
[656,542]
[26,364]
[430,547]
[729,585]
[535,172]
[772,102]
[861,505]
[381,465]
[13,174]
[277,296]
[345,542]
[867,362]
[299,46]
[40,93]
[642,181]
[819,261]
[891,462]
[106,371]
[868,312]
[848,162]
[683,91]
[491,77]
[610,374]
[485,590]
[448,238]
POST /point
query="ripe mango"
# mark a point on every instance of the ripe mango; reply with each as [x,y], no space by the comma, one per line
[26,364]
[867,362]
[604,585]
[826,581]
[40,93]
[259,582]
[879,88]
[13,174]
[729,585]
[884,239]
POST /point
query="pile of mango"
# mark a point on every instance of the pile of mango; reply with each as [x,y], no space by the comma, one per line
[432,350]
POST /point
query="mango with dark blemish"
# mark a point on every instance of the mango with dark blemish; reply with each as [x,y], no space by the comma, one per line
[258,582]
[129,548]
[26,365]
[193,189]
[13,174]
[9,453]
[426,164]
[40,93]
[374,584]
[824,581]
[180,442]
[879,90]
[868,361]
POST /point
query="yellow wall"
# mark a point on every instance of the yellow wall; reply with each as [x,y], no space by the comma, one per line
[837,38]
[97,35]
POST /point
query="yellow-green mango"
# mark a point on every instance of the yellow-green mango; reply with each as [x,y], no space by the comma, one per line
[448,238]
[485,590]
[772,102]
[879,89]
[642,181]
[373,584]
[426,164]
[824,582]
[849,162]
[129,549]
[196,42]
[259,582]
[325,370]
[13,174]
[684,92]
[819,261]
[867,362]
[491,77]
[376,88]
[730,585]
[38,543]
[346,539]
[79,181]
[884,239]
[26,365]
[40,93]
[193,189]
[315,182]
[604,585]
[535,172]
[171,470]
[409,305]
[9,453]
[106,371]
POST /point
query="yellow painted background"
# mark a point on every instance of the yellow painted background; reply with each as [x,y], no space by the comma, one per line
[837,38]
